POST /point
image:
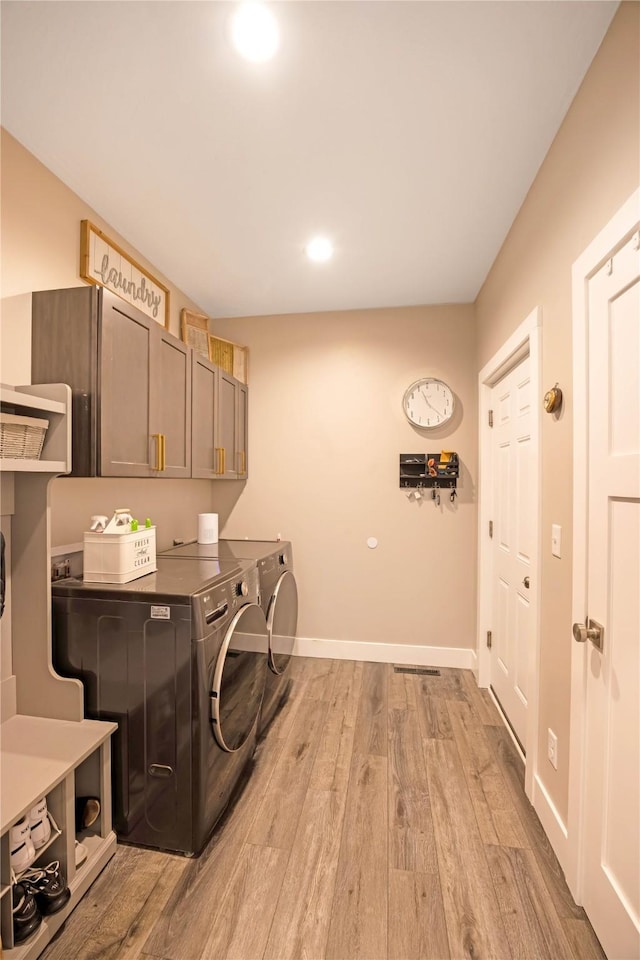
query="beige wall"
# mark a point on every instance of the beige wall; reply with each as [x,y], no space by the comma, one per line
[40,224]
[325,421]
[41,250]
[40,233]
[592,167]
[326,430]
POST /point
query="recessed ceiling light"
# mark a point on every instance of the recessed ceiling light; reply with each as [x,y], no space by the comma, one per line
[319,249]
[255,32]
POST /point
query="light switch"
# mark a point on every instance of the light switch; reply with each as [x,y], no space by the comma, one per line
[556,540]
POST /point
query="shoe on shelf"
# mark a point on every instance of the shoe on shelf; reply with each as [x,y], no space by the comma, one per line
[23,852]
[39,823]
[26,916]
[87,812]
[48,886]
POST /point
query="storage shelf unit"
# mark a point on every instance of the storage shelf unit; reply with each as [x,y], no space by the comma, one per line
[47,749]
[37,754]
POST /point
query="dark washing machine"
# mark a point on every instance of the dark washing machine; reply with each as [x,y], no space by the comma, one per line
[178,659]
[278,598]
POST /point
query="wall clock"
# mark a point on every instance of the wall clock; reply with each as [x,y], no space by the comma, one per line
[428,402]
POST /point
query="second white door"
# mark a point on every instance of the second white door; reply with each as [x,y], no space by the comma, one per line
[514,590]
[611,786]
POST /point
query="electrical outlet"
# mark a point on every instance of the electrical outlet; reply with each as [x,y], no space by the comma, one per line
[556,540]
[552,748]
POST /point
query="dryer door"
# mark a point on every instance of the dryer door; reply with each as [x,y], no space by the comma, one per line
[282,622]
[239,678]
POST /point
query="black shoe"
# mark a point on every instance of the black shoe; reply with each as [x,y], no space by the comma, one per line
[26,916]
[87,812]
[48,886]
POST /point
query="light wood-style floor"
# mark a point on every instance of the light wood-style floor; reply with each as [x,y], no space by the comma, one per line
[385,818]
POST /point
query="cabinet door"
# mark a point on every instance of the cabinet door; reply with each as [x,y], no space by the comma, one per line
[226,426]
[242,420]
[171,403]
[64,349]
[125,391]
[204,381]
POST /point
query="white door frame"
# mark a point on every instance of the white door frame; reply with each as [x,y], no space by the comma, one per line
[616,233]
[526,340]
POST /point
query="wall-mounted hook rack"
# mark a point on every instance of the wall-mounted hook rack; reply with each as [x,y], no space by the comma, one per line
[430,470]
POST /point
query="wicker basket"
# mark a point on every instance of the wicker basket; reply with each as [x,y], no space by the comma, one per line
[21,438]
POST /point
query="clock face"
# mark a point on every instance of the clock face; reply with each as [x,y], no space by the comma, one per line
[428,402]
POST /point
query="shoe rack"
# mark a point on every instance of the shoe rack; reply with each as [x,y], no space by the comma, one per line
[47,748]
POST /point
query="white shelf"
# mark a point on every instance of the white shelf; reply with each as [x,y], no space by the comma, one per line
[8,464]
[17,397]
[36,754]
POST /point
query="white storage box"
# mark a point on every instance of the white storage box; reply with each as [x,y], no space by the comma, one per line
[119,557]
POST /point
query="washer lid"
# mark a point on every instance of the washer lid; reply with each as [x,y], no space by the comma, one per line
[174,581]
[231,550]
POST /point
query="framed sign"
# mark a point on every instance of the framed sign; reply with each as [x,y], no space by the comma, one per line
[230,356]
[104,263]
[194,328]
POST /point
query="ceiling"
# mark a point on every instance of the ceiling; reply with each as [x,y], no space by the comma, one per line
[409,132]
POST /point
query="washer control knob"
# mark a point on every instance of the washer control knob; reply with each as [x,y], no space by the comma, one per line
[242,589]
[283,558]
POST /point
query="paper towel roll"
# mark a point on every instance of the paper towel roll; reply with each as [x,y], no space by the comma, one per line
[207,528]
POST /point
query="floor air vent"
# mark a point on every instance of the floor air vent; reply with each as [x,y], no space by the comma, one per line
[420,671]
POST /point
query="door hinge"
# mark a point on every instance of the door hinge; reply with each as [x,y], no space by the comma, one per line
[489,639]
[490,418]
[491,529]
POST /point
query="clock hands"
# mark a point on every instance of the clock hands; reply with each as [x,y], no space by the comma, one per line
[429,404]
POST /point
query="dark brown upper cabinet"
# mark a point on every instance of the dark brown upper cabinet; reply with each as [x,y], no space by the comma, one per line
[219,417]
[130,380]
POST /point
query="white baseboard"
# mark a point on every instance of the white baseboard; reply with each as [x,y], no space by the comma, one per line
[552,822]
[404,653]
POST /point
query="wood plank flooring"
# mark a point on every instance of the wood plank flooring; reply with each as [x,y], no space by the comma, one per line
[385,819]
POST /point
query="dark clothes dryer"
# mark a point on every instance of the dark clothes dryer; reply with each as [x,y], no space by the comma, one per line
[278,598]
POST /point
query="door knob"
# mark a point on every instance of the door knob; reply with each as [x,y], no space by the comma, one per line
[589,631]
[527,582]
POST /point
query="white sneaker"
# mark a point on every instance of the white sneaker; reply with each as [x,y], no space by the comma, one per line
[39,823]
[23,852]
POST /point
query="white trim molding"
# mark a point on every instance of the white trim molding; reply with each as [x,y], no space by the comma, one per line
[616,233]
[404,653]
[552,823]
[526,340]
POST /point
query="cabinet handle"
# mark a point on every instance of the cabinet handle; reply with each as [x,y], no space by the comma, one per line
[158,439]
[224,461]
[218,464]
[243,462]
[164,451]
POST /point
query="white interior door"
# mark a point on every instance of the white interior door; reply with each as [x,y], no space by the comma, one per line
[611,873]
[514,529]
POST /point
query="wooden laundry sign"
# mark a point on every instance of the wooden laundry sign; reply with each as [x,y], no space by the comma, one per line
[105,263]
